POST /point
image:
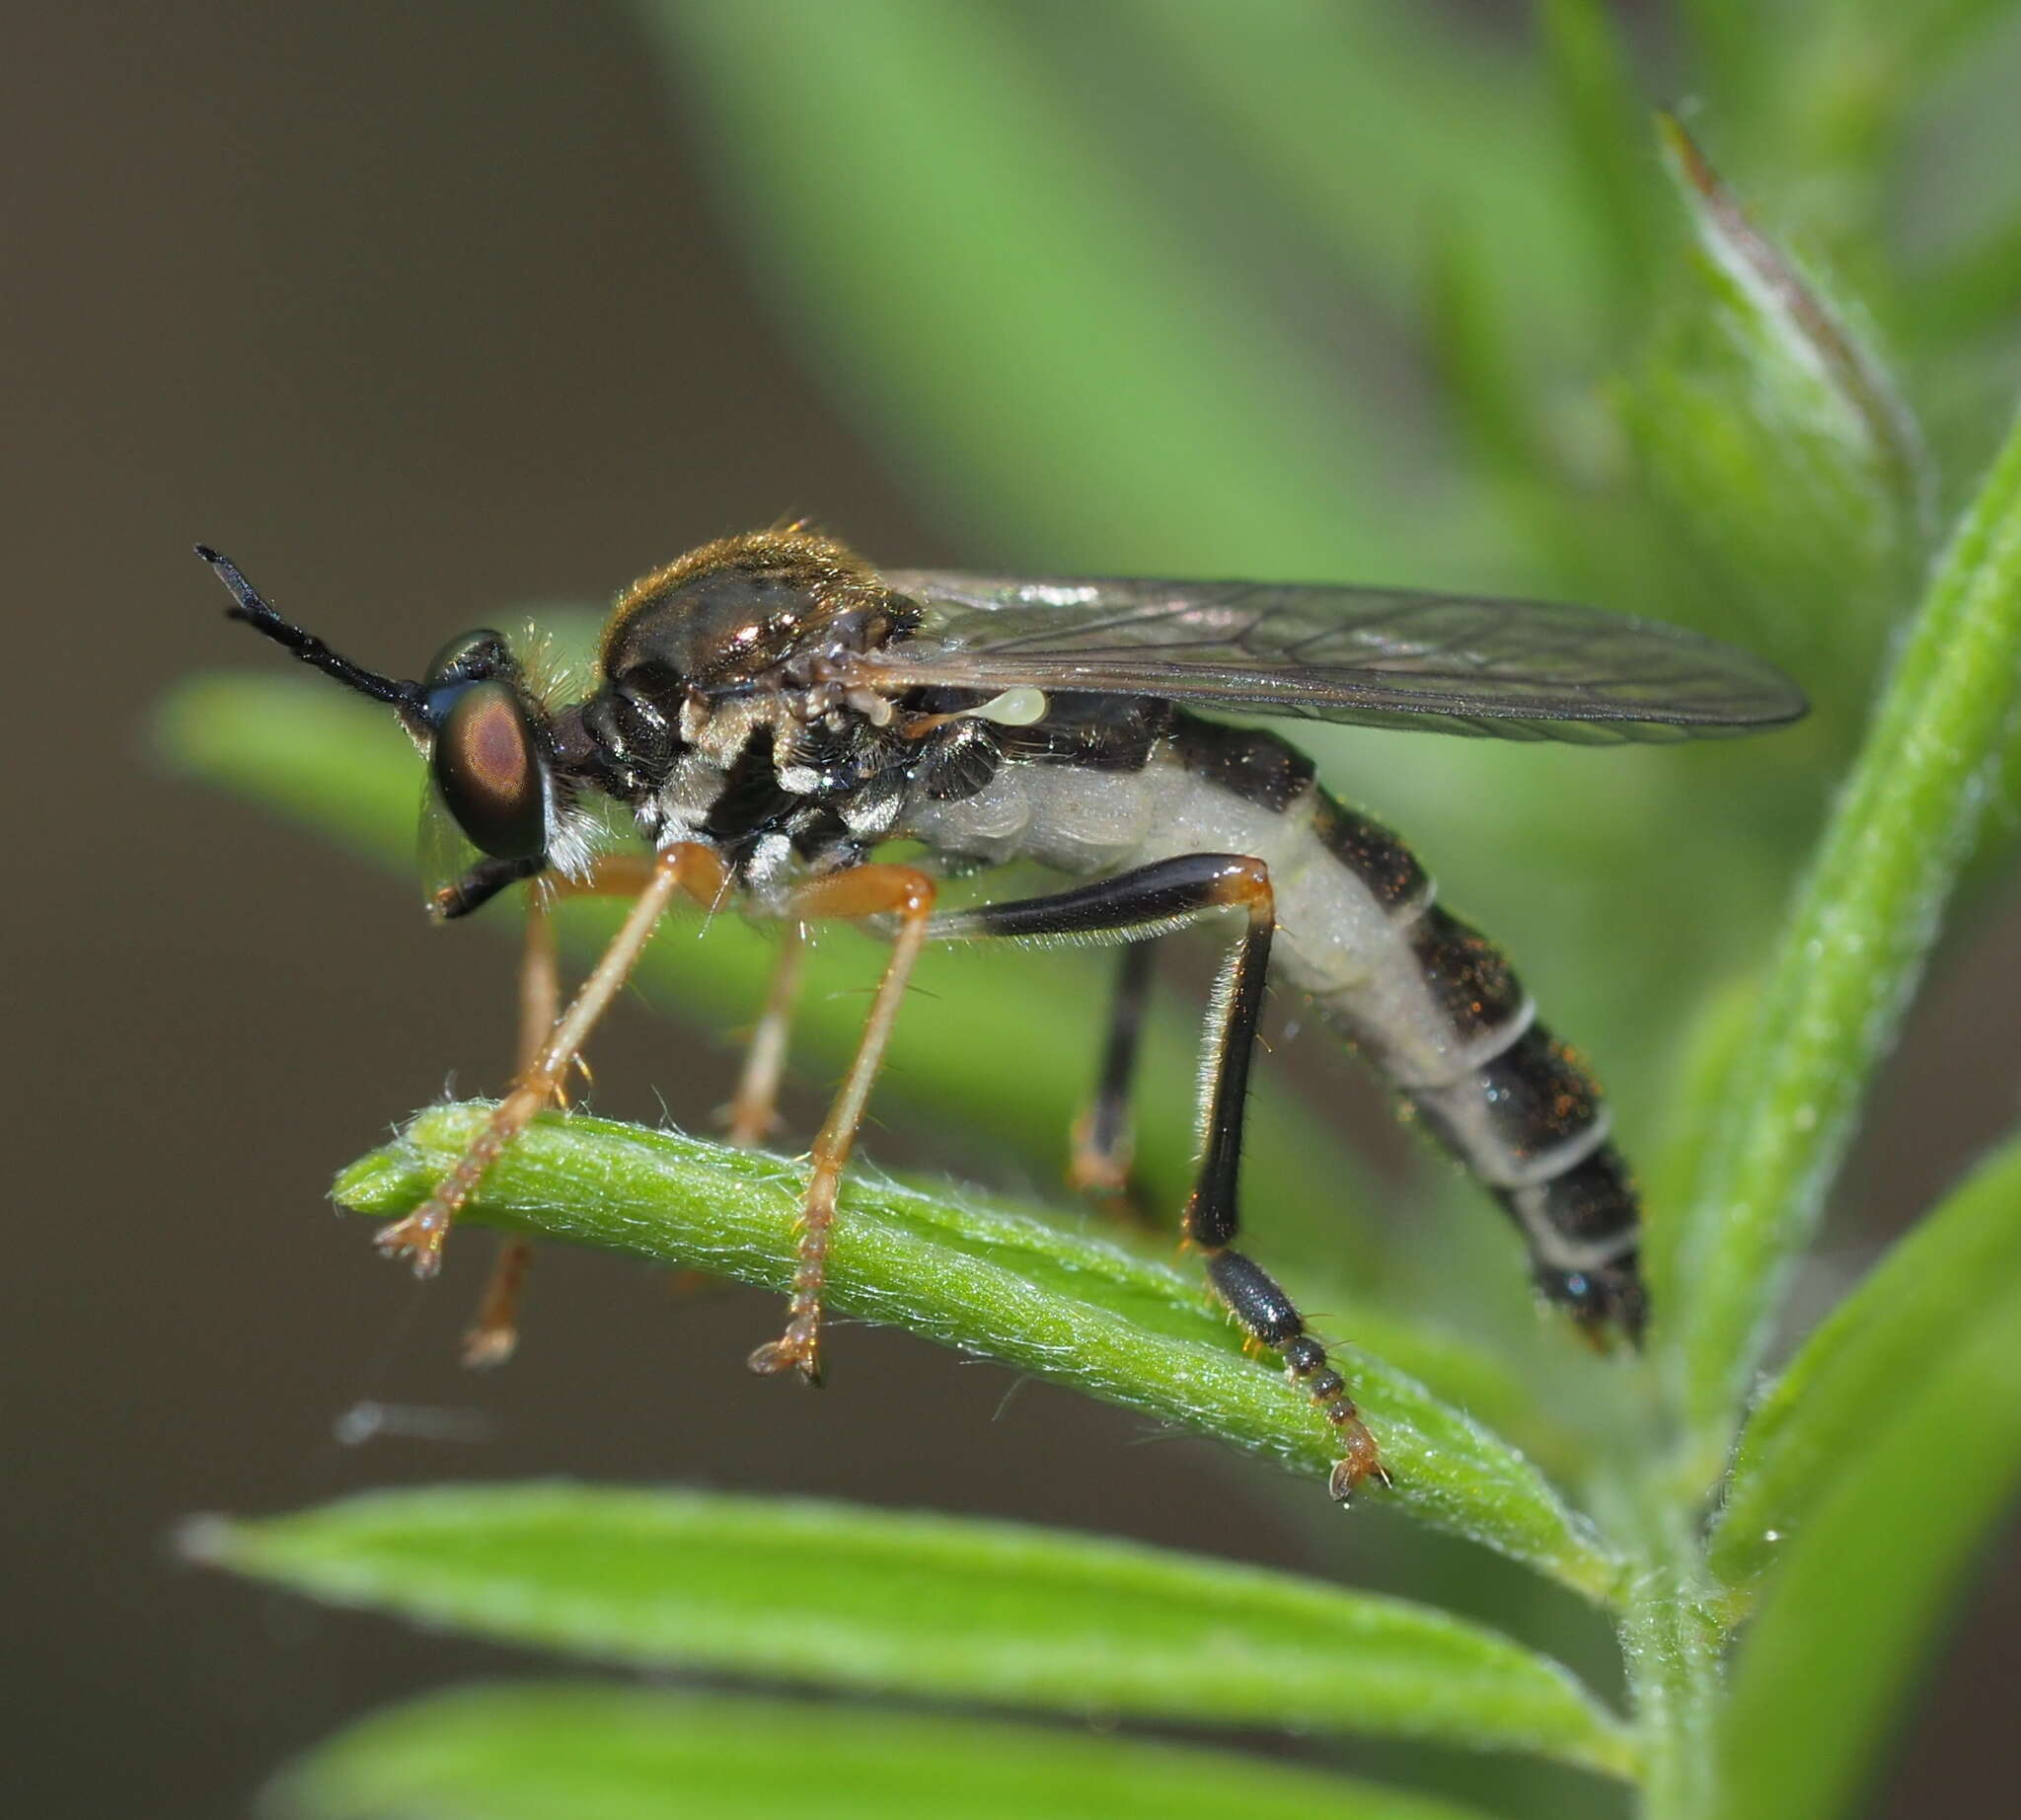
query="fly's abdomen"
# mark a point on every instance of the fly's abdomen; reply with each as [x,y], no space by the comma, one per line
[1443,1015]
[1430,1001]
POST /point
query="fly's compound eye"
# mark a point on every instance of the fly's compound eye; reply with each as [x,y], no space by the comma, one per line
[471,657]
[489,767]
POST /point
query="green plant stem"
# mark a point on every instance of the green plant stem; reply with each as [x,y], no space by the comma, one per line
[1862,924]
[1671,1636]
[1671,1645]
[1065,1305]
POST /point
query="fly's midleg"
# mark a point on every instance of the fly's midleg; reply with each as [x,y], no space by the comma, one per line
[1157,896]
[1103,1138]
[493,1335]
[862,892]
[754,1108]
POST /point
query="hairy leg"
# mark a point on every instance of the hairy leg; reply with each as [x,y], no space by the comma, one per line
[495,1334]
[1156,897]
[754,1109]
[686,867]
[1104,1144]
[862,892]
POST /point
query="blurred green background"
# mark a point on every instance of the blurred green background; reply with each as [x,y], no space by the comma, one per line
[430,315]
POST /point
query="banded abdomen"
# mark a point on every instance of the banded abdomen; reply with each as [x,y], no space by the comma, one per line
[1432,1003]
[1454,1032]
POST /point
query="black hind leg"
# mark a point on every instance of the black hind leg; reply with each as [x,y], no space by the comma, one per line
[1103,1143]
[1161,895]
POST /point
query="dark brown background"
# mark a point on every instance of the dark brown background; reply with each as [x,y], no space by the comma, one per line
[418,311]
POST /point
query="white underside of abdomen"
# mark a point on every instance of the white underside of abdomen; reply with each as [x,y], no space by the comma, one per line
[1334,939]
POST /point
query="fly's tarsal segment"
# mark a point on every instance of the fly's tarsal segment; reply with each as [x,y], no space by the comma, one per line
[1265,1312]
[769,708]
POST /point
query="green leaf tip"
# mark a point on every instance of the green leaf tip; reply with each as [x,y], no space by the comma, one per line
[849,1597]
[1776,448]
[1073,1306]
[1811,335]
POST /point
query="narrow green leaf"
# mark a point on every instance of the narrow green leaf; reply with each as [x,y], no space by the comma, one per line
[1368,120]
[937,214]
[1707,1052]
[1069,1307]
[1823,1678]
[569,1752]
[1858,932]
[336,764]
[1933,1291]
[1602,116]
[935,1608]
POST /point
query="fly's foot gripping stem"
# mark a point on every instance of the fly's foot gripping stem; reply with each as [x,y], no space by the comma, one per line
[421,1235]
[798,1348]
[1266,1314]
[1305,1367]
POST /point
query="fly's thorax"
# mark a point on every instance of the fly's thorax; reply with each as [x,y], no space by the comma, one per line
[714,683]
[746,610]
[773,781]
[1076,790]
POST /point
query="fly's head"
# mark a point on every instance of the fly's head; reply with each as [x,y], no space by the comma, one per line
[496,764]
[489,753]
[726,694]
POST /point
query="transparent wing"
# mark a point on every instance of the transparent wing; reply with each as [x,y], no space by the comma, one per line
[442,851]
[1508,669]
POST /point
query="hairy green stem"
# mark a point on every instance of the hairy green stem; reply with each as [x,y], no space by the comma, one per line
[1863,923]
[1067,1305]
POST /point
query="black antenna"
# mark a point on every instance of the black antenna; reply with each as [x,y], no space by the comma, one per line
[408,697]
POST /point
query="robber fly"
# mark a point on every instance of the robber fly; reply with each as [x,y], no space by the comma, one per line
[770,710]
